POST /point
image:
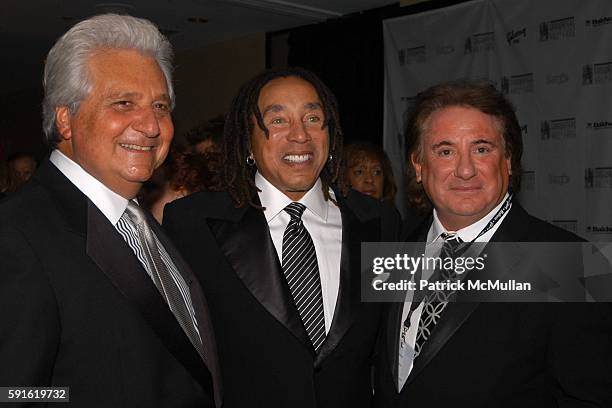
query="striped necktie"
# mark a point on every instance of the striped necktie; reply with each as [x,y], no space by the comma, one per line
[163,279]
[302,274]
[435,302]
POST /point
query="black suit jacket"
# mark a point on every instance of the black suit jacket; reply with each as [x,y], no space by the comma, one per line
[77,309]
[505,354]
[266,357]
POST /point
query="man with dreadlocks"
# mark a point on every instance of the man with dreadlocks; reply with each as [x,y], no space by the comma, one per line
[278,253]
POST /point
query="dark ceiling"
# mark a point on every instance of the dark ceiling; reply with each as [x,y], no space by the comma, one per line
[29,28]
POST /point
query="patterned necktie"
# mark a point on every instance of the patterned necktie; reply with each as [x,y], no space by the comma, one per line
[302,274]
[435,302]
[163,279]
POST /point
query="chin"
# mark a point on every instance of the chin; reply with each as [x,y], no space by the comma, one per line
[301,183]
[139,176]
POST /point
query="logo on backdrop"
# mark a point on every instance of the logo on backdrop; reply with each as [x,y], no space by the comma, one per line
[599,229]
[517,84]
[598,177]
[515,36]
[558,179]
[481,42]
[557,29]
[414,55]
[557,79]
[409,102]
[569,225]
[601,125]
[596,74]
[558,129]
[597,22]
[528,180]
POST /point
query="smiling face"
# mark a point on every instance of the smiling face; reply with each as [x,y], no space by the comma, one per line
[122,130]
[462,165]
[367,177]
[292,156]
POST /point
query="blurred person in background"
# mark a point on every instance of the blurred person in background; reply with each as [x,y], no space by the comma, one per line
[184,173]
[21,168]
[4,178]
[206,137]
[367,169]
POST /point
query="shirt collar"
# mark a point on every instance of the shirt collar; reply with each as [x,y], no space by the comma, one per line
[111,204]
[274,200]
[467,234]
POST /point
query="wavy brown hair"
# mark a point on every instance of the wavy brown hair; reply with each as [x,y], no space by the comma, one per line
[478,95]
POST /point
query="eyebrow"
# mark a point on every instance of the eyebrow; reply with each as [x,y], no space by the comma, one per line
[280,108]
[442,143]
[483,141]
[272,108]
[136,95]
[313,105]
[475,142]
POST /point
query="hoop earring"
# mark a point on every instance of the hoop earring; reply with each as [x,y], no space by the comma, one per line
[250,161]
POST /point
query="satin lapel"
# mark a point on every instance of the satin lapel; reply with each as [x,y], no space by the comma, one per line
[70,201]
[249,249]
[354,231]
[200,307]
[457,313]
[452,318]
[114,257]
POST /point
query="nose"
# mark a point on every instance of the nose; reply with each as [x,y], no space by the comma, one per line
[299,132]
[147,123]
[369,178]
[465,168]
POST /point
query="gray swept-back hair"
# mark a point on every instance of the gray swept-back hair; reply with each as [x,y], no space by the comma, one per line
[66,79]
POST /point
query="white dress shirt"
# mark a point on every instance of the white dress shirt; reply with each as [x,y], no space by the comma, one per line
[323,221]
[111,204]
[467,234]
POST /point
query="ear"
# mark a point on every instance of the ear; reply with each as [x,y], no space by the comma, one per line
[417,166]
[62,122]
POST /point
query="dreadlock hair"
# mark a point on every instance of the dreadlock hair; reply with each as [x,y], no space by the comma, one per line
[237,177]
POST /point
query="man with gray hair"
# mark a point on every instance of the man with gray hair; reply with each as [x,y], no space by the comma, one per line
[93,295]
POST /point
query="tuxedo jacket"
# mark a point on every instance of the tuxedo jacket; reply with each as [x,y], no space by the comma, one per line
[504,354]
[77,309]
[266,357]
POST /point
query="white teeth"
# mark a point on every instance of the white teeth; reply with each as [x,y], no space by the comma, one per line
[298,158]
[136,147]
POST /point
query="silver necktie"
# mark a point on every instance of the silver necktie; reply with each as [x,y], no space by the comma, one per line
[160,274]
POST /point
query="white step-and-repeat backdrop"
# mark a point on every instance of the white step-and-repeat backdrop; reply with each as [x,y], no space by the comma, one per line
[553,60]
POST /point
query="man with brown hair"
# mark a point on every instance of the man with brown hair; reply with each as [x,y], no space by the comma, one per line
[464,146]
